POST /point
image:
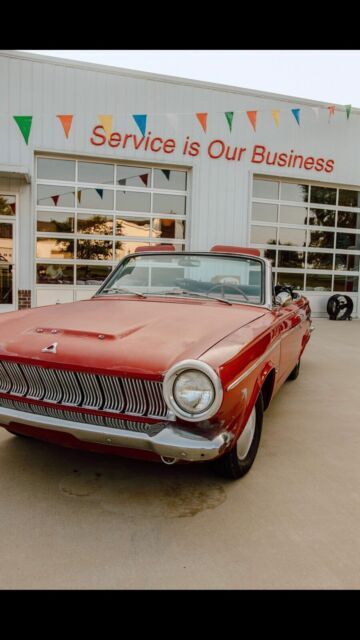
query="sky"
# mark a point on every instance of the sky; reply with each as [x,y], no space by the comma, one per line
[328,76]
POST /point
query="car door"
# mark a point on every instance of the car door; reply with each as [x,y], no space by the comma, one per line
[291,330]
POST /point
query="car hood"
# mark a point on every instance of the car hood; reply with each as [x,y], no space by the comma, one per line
[127,336]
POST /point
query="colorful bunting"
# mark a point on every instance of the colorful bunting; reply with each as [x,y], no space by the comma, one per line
[122,182]
[100,192]
[348,110]
[144,178]
[252,117]
[166,173]
[276,116]
[296,114]
[202,117]
[24,123]
[107,124]
[79,196]
[331,110]
[66,122]
[141,122]
[55,200]
[229,117]
[13,207]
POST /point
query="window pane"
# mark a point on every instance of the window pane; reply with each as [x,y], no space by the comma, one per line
[347,241]
[132,201]
[291,259]
[323,239]
[320,260]
[169,204]
[318,282]
[295,237]
[93,274]
[133,227]
[322,217]
[94,249]
[54,169]
[348,219]
[265,212]
[55,248]
[96,172]
[295,280]
[133,176]
[168,228]
[6,283]
[55,222]
[55,196]
[7,205]
[270,254]
[349,198]
[266,189]
[101,225]
[122,249]
[6,242]
[346,262]
[169,179]
[293,215]
[263,235]
[294,192]
[322,195]
[95,198]
[55,274]
[345,283]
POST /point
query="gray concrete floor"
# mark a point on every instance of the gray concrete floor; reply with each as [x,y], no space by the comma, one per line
[84,521]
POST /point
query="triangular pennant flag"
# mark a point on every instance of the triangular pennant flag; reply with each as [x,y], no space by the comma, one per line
[144,178]
[316,111]
[55,199]
[12,207]
[100,192]
[331,110]
[107,124]
[229,117]
[202,117]
[252,117]
[276,116]
[166,173]
[79,196]
[66,122]
[141,122]
[348,110]
[122,181]
[24,123]
[296,114]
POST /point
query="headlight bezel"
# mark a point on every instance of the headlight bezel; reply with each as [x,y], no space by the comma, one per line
[168,389]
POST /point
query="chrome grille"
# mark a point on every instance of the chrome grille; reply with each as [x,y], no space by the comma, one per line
[86,390]
[77,416]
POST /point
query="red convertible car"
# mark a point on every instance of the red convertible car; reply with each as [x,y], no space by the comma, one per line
[175,358]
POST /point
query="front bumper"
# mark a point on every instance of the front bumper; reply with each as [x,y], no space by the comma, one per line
[170,442]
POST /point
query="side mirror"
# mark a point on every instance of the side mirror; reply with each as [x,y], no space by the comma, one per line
[283,299]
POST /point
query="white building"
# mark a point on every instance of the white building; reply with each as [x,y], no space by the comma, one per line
[83,191]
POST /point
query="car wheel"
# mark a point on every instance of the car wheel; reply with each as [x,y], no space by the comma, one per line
[237,462]
[295,372]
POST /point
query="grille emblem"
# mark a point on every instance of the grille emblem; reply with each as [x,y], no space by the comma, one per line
[51,349]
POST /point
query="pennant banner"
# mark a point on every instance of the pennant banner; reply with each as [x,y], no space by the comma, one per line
[24,123]
[348,110]
[144,178]
[296,114]
[107,124]
[100,192]
[166,173]
[276,116]
[55,200]
[202,117]
[79,196]
[229,115]
[331,110]
[66,122]
[252,117]
[141,122]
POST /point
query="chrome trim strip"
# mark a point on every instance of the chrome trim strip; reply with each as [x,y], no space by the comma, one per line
[253,367]
[170,442]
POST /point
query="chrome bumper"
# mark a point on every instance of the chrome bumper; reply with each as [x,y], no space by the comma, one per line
[171,442]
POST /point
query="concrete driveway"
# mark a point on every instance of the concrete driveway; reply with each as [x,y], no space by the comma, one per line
[84,521]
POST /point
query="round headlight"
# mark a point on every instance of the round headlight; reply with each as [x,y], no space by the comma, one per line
[193,392]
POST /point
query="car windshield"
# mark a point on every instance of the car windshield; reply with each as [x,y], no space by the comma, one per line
[227,278]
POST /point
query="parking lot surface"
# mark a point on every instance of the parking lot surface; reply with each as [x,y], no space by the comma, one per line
[74,520]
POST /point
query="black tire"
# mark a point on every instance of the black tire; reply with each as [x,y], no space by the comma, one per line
[229,465]
[295,372]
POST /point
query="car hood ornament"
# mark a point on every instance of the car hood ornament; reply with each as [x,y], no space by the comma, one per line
[51,348]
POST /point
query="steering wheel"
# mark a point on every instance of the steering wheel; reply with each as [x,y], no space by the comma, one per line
[226,284]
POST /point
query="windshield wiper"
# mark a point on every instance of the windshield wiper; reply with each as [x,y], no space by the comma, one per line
[120,290]
[174,292]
